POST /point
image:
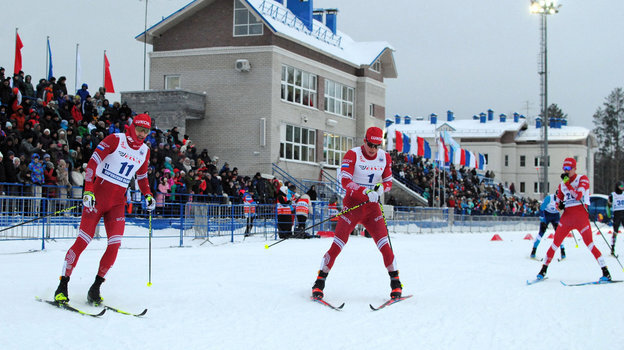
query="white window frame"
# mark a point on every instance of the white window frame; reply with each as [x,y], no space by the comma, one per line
[335,147]
[298,86]
[376,66]
[244,21]
[167,82]
[297,143]
[335,101]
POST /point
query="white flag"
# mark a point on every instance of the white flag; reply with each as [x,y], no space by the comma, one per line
[78,70]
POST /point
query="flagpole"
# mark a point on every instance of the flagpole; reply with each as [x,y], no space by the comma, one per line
[76,70]
[145,45]
[104,69]
[47,68]
[16,34]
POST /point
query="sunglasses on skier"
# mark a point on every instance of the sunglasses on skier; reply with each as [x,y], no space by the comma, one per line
[372,145]
[141,129]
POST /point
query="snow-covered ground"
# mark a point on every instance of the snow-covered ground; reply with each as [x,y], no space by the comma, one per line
[469,293]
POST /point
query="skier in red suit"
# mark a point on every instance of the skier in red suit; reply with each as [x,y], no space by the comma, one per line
[573,198]
[116,160]
[366,173]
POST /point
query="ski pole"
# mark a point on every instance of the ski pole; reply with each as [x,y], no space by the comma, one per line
[603,237]
[149,278]
[575,241]
[267,246]
[39,218]
[386,223]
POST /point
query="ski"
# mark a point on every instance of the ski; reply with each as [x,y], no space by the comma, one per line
[66,306]
[389,302]
[561,259]
[537,259]
[588,283]
[536,281]
[114,309]
[323,302]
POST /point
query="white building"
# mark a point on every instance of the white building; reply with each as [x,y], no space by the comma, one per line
[512,146]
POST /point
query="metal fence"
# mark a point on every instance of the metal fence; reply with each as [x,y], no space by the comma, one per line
[38,218]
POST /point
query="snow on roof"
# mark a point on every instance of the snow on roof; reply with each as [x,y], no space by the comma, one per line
[284,23]
[565,133]
[471,128]
[281,20]
[461,128]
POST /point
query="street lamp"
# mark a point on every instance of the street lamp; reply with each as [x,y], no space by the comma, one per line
[544,8]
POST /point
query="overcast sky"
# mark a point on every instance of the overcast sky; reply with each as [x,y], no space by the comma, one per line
[466,56]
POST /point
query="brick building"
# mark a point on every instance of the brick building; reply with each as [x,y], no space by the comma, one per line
[281,83]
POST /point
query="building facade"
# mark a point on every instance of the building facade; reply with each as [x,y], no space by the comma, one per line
[512,146]
[283,86]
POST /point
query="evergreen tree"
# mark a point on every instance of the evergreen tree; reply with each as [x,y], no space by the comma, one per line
[609,131]
[555,112]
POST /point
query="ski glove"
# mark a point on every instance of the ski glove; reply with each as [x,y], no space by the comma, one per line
[373,196]
[88,200]
[561,206]
[380,189]
[151,203]
[565,178]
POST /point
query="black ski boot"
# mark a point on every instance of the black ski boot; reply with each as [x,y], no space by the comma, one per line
[319,285]
[533,252]
[61,294]
[395,284]
[606,276]
[542,274]
[93,296]
[563,254]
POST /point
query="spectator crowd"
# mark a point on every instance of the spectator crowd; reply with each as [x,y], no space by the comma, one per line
[48,135]
[463,190]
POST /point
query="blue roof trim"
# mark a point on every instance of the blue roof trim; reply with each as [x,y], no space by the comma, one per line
[381,53]
[166,18]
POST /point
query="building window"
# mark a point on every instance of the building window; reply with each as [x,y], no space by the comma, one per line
[172,82]
[538,186]
[371,110]
[539,161]
[522,161]
[506,160]
[522,187]
[245,23]
[297,143]
[339,99]
[335,147]
[376,66]
[298,86]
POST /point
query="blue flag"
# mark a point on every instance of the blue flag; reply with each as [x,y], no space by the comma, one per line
[50,73]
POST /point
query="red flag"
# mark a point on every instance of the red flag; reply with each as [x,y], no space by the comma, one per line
[18,54]
[398,141]
[108,80]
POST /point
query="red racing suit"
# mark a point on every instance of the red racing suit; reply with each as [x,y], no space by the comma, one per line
[359,173]
[108,174]
[575,196]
